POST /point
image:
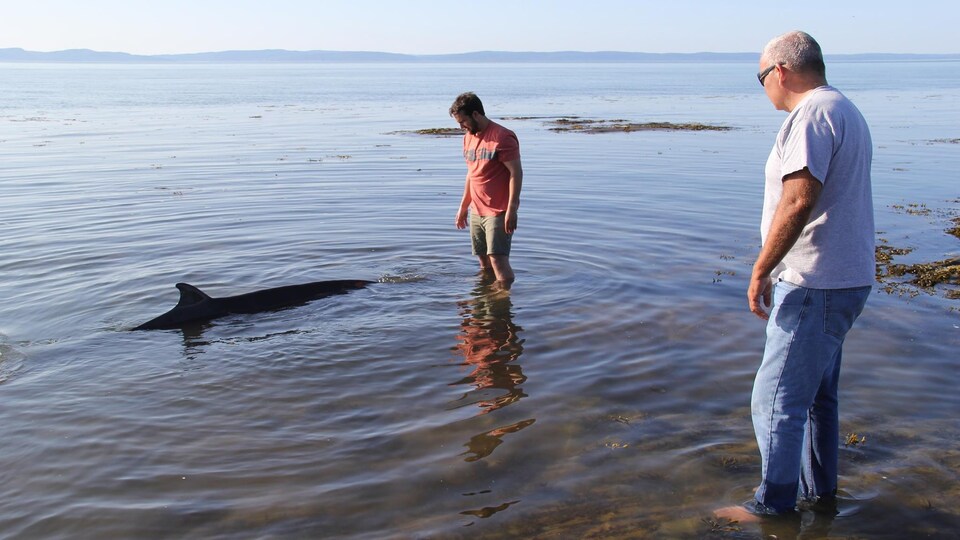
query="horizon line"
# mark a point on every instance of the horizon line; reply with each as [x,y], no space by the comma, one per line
[527,52]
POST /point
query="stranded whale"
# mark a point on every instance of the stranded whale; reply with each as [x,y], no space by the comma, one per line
[196,306]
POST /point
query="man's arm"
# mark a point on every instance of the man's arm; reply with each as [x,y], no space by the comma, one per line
[461,220]
[800,193]
[516,182]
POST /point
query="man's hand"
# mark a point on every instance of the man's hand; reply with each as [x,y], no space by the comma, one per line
[461,220]
[760,289]
[510,221]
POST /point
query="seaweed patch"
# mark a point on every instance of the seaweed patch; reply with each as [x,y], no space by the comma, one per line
[912,279]
[430,132]
[581,125]
[578,125]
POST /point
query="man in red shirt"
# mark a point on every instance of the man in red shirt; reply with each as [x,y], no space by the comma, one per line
[492,187]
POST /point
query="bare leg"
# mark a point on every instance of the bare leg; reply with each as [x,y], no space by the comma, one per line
[502,269]
[486,266]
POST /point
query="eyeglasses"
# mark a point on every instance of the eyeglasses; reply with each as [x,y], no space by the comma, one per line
[763,74]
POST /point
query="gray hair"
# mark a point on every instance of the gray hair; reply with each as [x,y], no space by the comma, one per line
[798,51]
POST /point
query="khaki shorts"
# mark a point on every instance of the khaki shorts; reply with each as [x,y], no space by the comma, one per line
[488,236]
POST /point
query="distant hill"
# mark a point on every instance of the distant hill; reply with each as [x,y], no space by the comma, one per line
[299,57]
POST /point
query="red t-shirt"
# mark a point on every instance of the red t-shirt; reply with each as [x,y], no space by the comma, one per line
[489,179]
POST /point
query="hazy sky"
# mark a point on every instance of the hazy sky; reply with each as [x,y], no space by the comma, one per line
[448,26]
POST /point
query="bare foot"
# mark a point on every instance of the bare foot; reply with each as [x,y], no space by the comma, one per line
[737,513]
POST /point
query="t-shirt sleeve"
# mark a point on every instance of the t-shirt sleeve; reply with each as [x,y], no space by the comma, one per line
[508,148]
[809,143]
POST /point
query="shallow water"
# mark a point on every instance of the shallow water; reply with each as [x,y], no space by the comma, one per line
[607,395]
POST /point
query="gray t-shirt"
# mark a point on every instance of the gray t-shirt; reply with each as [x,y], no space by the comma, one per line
[826,134]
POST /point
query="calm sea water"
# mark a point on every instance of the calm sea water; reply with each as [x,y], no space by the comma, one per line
[606,396]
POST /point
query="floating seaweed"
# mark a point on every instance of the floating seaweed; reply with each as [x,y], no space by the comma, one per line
[721,525]
[925,276]
[955,230]
[610,126]
[913,209]
[579,125]
[929,275]
[521,118]
[432,132]
[853,439]
[884,256]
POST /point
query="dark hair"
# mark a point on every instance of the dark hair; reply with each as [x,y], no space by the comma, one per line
[467,103]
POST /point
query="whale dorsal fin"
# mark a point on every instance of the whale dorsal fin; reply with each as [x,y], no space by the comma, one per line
[190,295]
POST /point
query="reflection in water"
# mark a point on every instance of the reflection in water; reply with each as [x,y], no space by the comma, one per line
[194,343]
[488,511]
[805,525]
[482,445]
[490,343]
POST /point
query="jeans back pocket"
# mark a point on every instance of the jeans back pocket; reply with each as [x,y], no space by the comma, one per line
[841,309]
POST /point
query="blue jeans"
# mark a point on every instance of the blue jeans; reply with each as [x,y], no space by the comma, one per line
[794,403]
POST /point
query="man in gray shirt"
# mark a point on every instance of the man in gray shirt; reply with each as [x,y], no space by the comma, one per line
[817,265]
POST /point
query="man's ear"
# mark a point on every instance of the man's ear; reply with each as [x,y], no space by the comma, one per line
[781,71]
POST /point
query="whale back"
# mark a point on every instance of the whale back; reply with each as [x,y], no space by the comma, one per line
[197,306]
